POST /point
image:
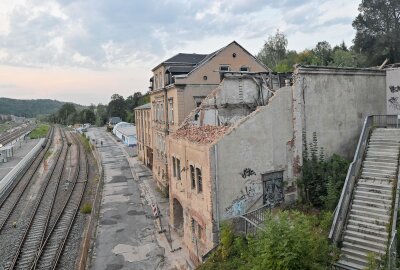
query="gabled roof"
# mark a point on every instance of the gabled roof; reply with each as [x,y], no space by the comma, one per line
[180,69]
[144,106]
[183,58]
[212,55]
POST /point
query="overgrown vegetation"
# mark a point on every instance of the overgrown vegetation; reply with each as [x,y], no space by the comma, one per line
[292,240]
[48,154]
[39,132]
[86,208]
[86,143]
[322,180]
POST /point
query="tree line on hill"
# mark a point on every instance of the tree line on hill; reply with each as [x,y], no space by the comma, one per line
[377,39]
[98,114]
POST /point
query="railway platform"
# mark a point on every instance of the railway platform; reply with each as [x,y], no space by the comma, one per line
[21,149]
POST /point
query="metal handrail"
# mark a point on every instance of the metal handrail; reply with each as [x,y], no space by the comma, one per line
[341,211]
[347,191]
[392,250]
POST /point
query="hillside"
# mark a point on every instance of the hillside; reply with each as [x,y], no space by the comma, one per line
[29,108]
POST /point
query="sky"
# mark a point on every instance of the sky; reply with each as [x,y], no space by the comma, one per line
[84,51]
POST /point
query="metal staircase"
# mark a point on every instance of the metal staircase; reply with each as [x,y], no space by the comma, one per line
[367,210]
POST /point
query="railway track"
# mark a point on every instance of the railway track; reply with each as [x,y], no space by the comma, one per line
[49,254]
[9,137]
[11,199]
[34,233]
[43,230]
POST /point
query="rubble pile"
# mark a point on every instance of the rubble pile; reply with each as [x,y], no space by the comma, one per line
[203,135]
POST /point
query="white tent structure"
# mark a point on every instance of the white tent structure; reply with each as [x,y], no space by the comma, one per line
[126,132]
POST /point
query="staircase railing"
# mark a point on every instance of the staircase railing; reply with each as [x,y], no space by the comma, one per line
[347,191]
[341,213]
[254,218]
[392,250]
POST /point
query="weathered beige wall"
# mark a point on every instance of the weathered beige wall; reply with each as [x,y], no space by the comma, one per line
[262,143]
[196,205]
[211,68]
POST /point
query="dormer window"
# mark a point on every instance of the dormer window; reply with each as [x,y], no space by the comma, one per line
[224,68]
[244,69]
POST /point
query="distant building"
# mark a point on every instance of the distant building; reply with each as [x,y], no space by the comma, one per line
[6,153]
[143,131]
[112,121]
[126,132]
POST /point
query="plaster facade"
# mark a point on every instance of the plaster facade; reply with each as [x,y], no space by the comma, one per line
[242,144]
[393,90]
[174,97]
[143,133]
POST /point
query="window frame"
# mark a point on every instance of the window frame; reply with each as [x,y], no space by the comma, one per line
[192,171]
[199,180]
[221,68]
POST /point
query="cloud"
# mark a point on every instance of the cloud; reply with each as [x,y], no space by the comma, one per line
[103,34]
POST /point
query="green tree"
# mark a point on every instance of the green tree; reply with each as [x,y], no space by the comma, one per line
[117,107]
[342,58]
[274,50]
[378,31]
[132,101]
[66,114]
[87,116]
[322,53]
[101,114]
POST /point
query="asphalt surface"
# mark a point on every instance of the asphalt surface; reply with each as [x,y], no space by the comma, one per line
[126,233]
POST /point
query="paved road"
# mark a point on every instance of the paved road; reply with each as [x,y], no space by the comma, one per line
[126,232]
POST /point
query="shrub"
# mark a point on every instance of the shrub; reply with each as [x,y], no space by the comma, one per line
[39,132]
[292,240]
[322,180]
[86,208]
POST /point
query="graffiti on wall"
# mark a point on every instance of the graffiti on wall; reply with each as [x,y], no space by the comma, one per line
[394,89]
[251,191]
[394,103]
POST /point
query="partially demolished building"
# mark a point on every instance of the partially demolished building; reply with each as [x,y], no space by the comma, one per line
[242,148]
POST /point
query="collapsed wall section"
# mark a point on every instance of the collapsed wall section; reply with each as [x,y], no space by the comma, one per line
[258,145]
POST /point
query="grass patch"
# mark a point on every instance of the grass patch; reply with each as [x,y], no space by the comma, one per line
[39,132]
[86,208]
[48,154]
[85,142]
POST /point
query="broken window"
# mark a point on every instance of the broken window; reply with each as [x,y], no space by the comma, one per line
[173,167]
[224,68]
[199,231]
[178,169]
[199,181]
[192,177]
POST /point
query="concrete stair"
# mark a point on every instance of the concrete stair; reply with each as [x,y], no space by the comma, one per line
[367,229]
